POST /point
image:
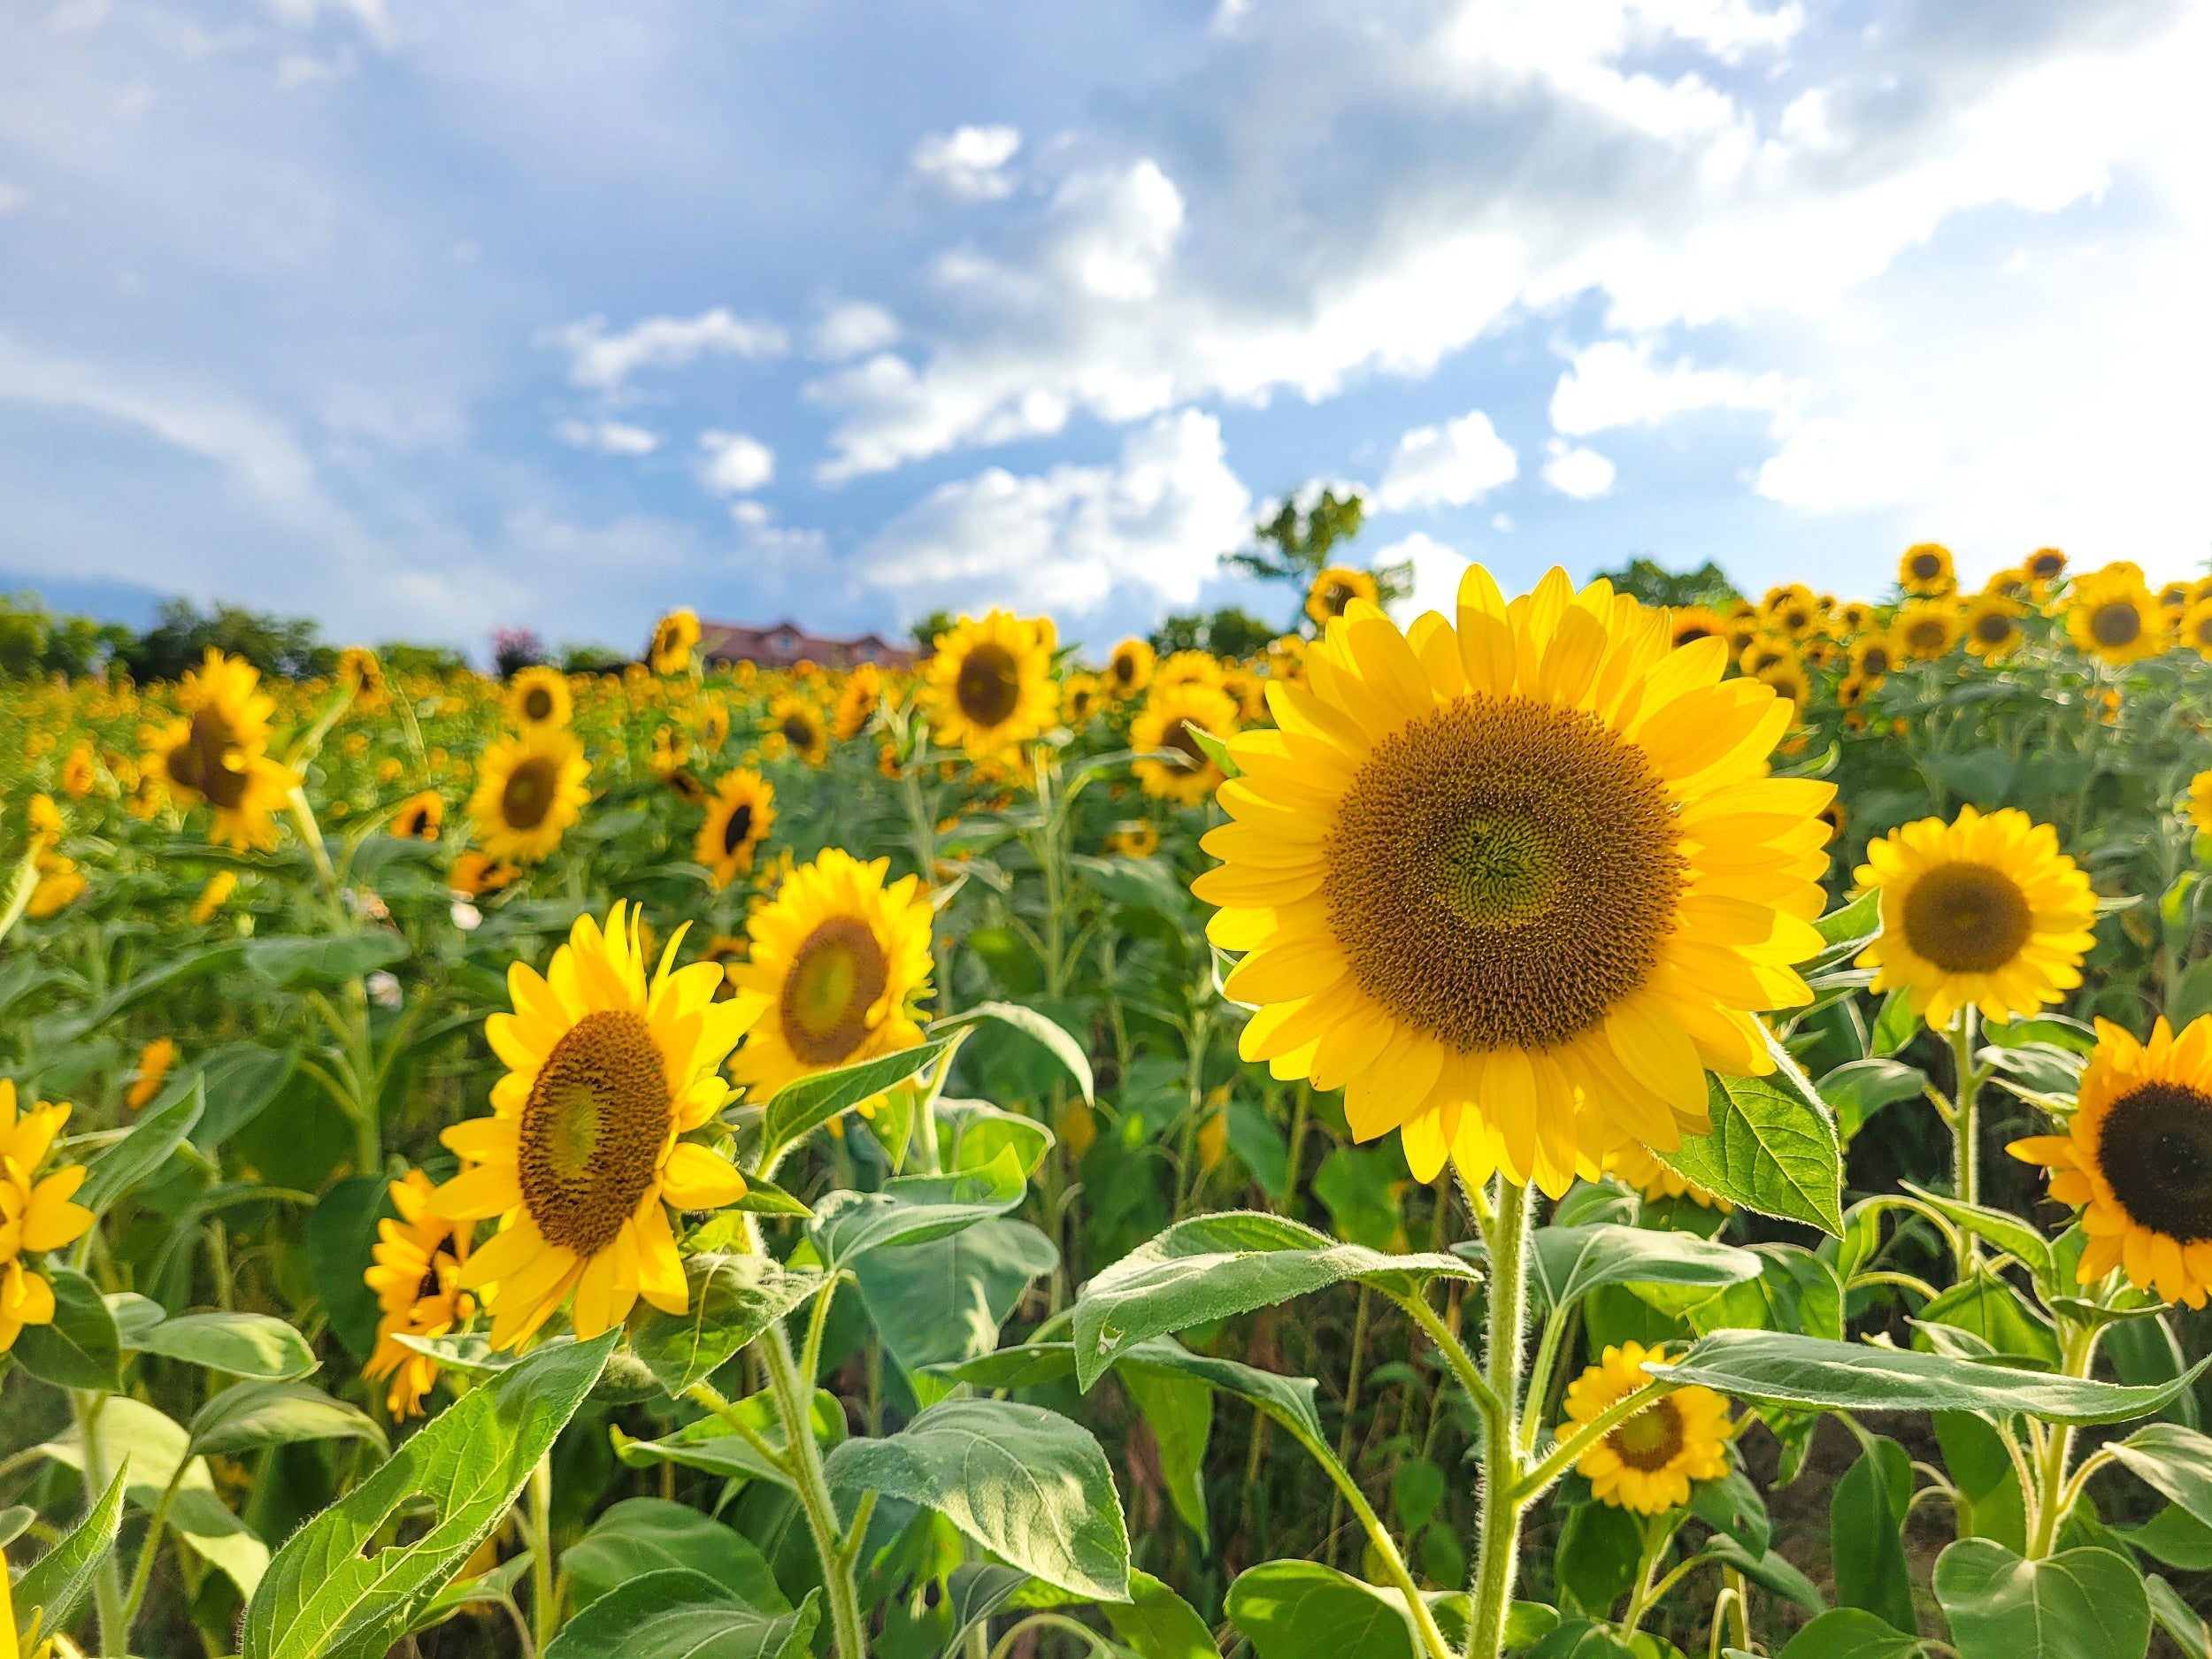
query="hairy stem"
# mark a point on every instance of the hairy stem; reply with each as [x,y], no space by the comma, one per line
[1499,1546]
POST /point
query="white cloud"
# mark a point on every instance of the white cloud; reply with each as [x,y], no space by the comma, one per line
[1614,383]
[1156,522]
[1448,465]
[1436,572]
[1584,474]
[970,162]
[608,437]
[605,361]
[736,462]
[853,329]
[11,195]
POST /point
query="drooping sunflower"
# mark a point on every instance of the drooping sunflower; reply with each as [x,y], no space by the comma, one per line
[1129,670]
[36,1212]
[1984,910]
[1991,626]
[2136,1159]
[2045,565]
[419,816]
[218,753]
[858,700]
[153,1061]
[839,961]
[538,699]
[361,672]
[675,636]
[1925,568]
[2196,627]
[1516,886]
[583,1155]
[795,727]
[2200,802]
[1925,630]
[529,789]
[1165,723]
[1334,590]
[738,820]
[2111,615]
[1649,1461]
[415,1271]
[1688,623]
[990,683]
[1080,698]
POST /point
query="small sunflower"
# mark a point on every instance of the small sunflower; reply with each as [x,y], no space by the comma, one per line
[1792,610]
[2196,627]
[1129,670]
[1925,568]
[795,727]
[583,1155]
[2014,584]
[1334,590]
[1247,690]
[675,636]
[2176,596]
[838,963]
[1872,657]
[417,1268]
[1765,651]
[475,874]
[1286,658]
[1925,630]
[361,672]
[1655,1180]
[2200,802]
[2136,1159]
[538,699]
[1170,713]
[990,683]
[529,789]
[36,1214]
[1691,623]
[738,820]
[1991,626]
[2111,615]
[2045,565]
[153,1061]
[79,773]
[857,701]
[1853,616]
[60,884]
[1984,911]
[1649,1461]
[419,816]
[1187,668]
[1143,840]
[1851,690]
[1080,697]
[1789,678]
[217,753]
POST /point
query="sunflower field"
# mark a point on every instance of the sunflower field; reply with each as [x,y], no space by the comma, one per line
[1574,1128]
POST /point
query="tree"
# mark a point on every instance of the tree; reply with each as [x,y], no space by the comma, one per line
[514,650]
[1655,584]
[1231,631]
[925,632]
[1296,544]
[291,647]
[35,641]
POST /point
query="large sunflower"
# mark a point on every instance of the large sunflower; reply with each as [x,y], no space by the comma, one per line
[837,962]
[990,683]
[1925,568]
[1165,723]
[1129,670]
[1334,590]
[529,789]
[217,753]
[1516,886]
[583,1155]
[2111,615]
[796,726]
[1992,626]
[738,815]
[415,1271]
[37,1213]
[538,699]
[1647,1462]
[1925,630]
[2136,1159]
[1984,910]
[675,636]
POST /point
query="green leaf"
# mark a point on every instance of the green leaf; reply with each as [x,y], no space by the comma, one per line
[250,1415]
[1992,1309]
[970,1134]
[709,1445]
[1866,1519]
[61,1031]
[2078,1604]
[2173,1461]
[240,1079]
[1158,1624]
[1733,1505]
[2008,1232]
[1026,1484]
[1850,1633]
[1859,1088]
[1601,1547]
[808,1104]
[2178,1619]
[1032,1025]
[1772,1149]
[80,1348]
[159,1131]
[325,1597]
[1569,1263]
[2175,1537]
[732,1299]
[1849,929]
[1301,1609]
[53,1585]
[239,1344]
[642,1535]
[291,963]
[679,1614]
[1766,1569]
[944,1300]
[1210,1267]
[486,1588]
[340,1240]
[1989,1503]
[1179,1410]
[914,1209]
[2058,1031]
[1775,1368]
[1894,1026]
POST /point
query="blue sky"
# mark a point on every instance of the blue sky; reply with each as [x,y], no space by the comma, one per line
[424,319]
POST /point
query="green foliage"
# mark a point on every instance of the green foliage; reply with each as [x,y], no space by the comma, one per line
[1655,584]
[183,634]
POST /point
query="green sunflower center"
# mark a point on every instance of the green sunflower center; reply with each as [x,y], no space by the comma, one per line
[2155,1150]
[988,689]
[1967,917]
[592,1129]
[2115,624]
[738,827]
[528,796]
[1503,873]
[836,975]
[1651,1439]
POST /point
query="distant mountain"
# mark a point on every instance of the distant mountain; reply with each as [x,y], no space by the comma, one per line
[97,598]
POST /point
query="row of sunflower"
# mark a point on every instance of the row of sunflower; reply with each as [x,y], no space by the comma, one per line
[744,1113]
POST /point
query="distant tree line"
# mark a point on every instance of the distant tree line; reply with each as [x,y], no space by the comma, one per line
[35,643]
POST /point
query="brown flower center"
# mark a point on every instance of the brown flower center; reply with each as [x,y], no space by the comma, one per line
[208,760]
[592,1130]
[738,827]
[537,703]
[528,796]
[988,689]
[1967,917]
[1926,567]
[836,975]
[2115,624]
[1651,1439]
[1993,627]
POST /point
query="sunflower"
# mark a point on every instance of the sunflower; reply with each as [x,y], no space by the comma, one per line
[1691,623]
[2200,802]
[214,896]
[529,789]
[1991,626]
[1129,670]
[2111,616]
[475,874]
[675,636]
[2045,565]
[79,773]
[418,1262]
[2136,1159]
[361,674]
[1851,690]
[538,699]
[1792,610]
[1080,697]
[990,683]
[2196,627]
[738,818]
[583,1155]
[1334,590]
[795,727]
[44,815]
[1656,1181]
[1925,568]
[1141,839]
[1187,668]
[1925,630]
[1984,910]
[1872,657]
[419,816]
[1788,677]
[60,883]
[1247,690]
[1516,886]
[1170,713]
[858,700]
[1286,658]
[1853,616]
[153,1061]
[1648,1462]
[35,1212]
[1765,651]
[217,753]
[837,962]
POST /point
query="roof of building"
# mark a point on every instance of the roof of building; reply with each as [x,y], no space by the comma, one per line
[782,644]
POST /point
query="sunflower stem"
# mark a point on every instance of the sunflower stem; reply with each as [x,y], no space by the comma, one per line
[545,1612]
[1965,1129]
[793,1405]
[1498,1548]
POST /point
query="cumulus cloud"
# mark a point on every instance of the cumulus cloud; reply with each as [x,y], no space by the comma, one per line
[1584,474]
[1156,521]
[853,329]
[734,463]
[970,162]
[608,437]
[605,361]
[1616,383]
[1448,465]
[1436,572]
